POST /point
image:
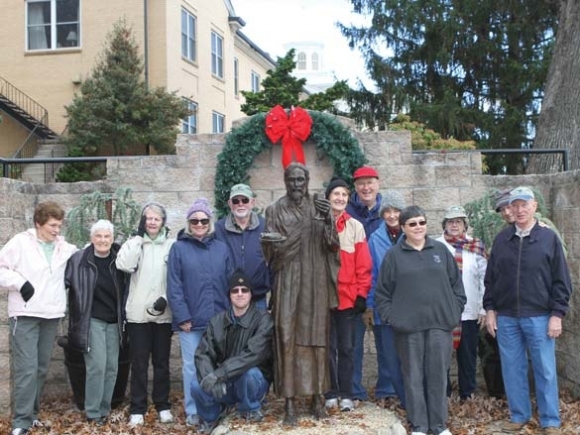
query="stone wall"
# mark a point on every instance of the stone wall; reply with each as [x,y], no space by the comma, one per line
[432,180]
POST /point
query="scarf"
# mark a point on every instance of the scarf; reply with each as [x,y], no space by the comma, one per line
[462,243]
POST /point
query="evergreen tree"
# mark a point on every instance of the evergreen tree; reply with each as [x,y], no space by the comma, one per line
[467,69]
[116,112]
[280,87]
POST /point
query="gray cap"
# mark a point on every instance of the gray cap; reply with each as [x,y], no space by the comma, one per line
[502,198]
[523,193]
[392,199]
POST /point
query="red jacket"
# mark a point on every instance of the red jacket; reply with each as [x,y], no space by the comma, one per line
[354,275]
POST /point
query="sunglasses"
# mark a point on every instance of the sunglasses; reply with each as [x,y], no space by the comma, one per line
[414,224]
[236,201]
[199,221]
[236,290]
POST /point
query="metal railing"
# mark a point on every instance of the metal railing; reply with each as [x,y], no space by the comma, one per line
[12,168]
[33,108]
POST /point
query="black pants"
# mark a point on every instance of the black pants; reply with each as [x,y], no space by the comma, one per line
[149,339]
[341,353]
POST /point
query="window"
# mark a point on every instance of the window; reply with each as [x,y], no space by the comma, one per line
[217,55]
[217,122]
[189,124]
[188,35]
[301,64]
[52,24]
[255,82]
[315,61]
[236,77]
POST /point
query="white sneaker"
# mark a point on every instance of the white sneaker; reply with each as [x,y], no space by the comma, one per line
[419,433]
[19,431]
[165,416]
[331,403]
[445,432]
[136,420]
[346,405]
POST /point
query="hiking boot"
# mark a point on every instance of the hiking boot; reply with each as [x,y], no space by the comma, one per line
[346,405]
[552,430]
[192,420]
[254,415]
[136,420]
[165,416]
[206,427]
[510,426]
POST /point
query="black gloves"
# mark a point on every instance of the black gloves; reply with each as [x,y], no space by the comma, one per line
[211,385]
[360,305]
[160,304]
[27,291]
[142,224]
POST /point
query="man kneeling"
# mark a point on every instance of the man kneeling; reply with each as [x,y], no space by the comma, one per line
[234,359]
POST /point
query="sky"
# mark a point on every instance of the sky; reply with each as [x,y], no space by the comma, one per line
[271,24]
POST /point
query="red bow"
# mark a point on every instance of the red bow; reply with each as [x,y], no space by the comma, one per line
[293,129]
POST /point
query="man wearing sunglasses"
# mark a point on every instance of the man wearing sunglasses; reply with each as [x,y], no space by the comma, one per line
[234,358]
[241,230]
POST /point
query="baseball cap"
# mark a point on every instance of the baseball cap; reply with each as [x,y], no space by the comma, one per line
[454,212]
[365,171]
[241,190]
[522,192]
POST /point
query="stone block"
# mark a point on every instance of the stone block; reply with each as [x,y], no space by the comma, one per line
[453,176]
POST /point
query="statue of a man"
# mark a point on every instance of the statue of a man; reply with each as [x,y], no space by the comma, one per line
[301,246]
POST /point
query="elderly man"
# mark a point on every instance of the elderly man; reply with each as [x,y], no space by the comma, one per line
[234,358]
[301,246]
[527,293]
[364,206]
[95,316]
[241,230]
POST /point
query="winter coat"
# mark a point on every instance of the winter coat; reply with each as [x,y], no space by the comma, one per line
[22,259]
[231,347]
[370,218]
[81,279]
[472,274]
[146,261]
[527,277]
[354,275]
[420,290]
[246,251]
[198,272]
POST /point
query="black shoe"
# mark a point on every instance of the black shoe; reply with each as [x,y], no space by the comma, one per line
[99,421]
[254,416]
[206,427]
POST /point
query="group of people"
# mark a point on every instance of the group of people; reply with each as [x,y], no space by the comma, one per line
[285,300]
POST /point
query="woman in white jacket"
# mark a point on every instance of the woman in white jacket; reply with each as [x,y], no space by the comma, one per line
[471,258]
[144,256]
[32,266]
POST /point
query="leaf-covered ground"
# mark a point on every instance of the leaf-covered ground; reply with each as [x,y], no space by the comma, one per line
[479,415]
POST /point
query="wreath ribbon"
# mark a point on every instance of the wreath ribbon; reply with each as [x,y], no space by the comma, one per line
[293,129]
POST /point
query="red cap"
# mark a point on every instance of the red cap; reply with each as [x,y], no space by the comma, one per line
[365,171]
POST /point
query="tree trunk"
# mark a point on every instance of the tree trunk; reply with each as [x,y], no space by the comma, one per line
[559,122]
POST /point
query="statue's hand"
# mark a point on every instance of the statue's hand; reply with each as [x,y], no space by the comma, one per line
[322,206]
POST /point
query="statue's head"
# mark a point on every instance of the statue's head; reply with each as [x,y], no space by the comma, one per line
[296,179]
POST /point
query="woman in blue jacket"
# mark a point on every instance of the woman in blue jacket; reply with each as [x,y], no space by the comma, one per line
[198,269]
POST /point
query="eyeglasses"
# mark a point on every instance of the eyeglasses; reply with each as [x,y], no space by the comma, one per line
[236,290]
[236,201]
[415,223]
[199,221]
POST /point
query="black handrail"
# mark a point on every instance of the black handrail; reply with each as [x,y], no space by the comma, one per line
[8,164]
[33,108]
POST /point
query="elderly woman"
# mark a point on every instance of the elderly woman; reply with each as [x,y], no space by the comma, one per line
[354,282]
[471,259]
[199,267]
[95,295]
[390,378]
[420,294]
[144,256]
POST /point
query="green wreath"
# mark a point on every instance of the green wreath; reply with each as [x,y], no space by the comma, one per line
[248,140]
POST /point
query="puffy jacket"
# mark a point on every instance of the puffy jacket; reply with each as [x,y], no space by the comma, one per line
[230,347]
[198,272]
[81,279]
[146,261]
[22,259]
[370,218]
[246,251]
[354,275]
[379,245]
[472,274]
[527,277]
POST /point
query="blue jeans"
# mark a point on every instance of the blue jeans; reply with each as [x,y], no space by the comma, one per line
[467,358]
[189,342]
[514,336]
[247,391]
[389,367]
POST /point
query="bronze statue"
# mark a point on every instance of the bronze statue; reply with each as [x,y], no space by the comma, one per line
[301,246]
